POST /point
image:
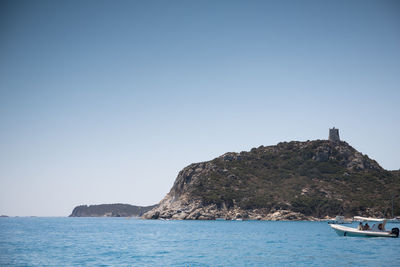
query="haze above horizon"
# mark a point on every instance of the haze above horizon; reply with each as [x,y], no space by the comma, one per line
[105,102]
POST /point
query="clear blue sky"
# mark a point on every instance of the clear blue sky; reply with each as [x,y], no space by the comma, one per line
[105,101]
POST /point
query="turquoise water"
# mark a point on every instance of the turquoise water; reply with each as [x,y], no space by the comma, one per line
[132,242]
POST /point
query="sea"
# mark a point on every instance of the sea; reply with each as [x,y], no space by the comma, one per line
[35,241]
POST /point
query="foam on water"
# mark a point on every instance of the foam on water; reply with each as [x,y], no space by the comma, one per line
[120,241]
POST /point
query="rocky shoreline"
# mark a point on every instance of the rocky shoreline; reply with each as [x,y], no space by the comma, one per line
[236,214]
[195,210]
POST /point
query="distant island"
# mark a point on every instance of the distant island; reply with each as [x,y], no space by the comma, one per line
[309,180]
[110,210]
[3,216]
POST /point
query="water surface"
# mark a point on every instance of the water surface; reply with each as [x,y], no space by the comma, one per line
[133,242]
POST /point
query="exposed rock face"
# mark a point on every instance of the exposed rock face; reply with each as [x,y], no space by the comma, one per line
[109,210]
[289,181]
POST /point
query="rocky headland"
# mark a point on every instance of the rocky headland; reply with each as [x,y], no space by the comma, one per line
[110,210]
[310,180]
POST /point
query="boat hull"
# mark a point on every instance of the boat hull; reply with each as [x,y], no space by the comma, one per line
[348,231]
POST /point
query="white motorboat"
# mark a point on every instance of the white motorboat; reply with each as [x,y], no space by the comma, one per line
[377,229]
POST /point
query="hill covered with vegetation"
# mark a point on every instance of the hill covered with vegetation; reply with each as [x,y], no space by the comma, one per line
[291,180]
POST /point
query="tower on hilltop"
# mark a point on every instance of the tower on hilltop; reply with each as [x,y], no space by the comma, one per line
[334,135]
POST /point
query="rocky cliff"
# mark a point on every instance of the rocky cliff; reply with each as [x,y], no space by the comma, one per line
[109,210]
[289,181]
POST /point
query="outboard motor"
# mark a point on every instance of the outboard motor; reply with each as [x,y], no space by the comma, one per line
[395,231]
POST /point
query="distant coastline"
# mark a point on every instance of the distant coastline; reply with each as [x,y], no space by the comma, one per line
[110,210]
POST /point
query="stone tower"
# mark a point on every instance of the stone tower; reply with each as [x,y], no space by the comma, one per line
[334,135]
